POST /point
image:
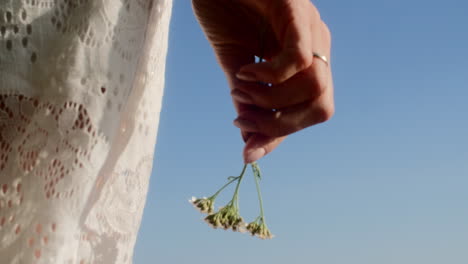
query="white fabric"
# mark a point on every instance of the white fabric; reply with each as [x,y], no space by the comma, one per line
[81,84]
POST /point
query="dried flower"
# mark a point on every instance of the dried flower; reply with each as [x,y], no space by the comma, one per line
[228,217]
[259,229]
[204,205]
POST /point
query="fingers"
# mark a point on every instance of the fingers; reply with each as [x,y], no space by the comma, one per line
[284,122]
[288,120]
[293,57]
[289,62]
[298,91]
[302,100]
[304,86]
[258,146]
[291,112]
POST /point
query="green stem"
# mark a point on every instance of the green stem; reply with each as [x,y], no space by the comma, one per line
[259,198]
[222,188]
[236,191]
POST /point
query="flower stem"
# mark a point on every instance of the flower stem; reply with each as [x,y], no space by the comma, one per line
[236,191]
[262,216]
[222,188]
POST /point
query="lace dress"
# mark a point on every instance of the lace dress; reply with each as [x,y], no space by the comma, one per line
[81,83]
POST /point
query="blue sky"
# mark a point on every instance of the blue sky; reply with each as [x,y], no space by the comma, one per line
[385,181]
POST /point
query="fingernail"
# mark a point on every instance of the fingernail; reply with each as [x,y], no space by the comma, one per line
[241,97]
[246,76]
[254,155]
[244,124]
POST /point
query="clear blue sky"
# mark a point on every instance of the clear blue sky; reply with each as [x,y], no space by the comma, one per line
[385,181]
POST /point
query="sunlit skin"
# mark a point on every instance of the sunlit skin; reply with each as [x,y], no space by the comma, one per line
[285,33]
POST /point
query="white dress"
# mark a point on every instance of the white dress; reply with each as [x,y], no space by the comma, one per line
[81,84]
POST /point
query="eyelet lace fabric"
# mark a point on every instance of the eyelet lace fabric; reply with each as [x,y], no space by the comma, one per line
[81,84]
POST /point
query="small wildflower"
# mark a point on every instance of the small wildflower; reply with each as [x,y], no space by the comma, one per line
[204,205]
[259,230]
[227,218]
[252,227]
[239,226]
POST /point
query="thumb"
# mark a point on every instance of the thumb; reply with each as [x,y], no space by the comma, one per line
[258,146]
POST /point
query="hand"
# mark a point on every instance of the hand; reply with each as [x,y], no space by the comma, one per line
[288,92]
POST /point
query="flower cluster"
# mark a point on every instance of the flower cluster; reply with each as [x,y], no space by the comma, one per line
[204,205]
[228,217]
[259,229]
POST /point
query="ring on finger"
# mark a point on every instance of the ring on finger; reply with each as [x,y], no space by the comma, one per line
[320,57]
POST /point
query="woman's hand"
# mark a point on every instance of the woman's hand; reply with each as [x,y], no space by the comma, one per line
[292,89]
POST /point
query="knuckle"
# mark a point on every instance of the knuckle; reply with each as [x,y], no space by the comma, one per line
[324,113]
[293,61]
[278,126]
[302,58]
[319,84]
[322,84]
[313,10]
[327,33]
[278,77]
